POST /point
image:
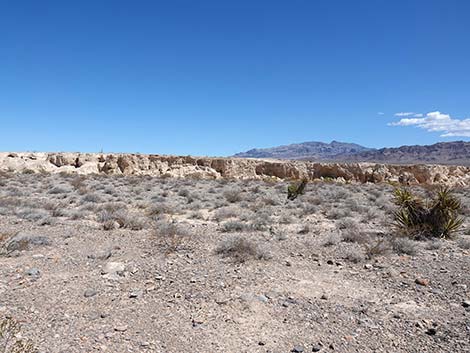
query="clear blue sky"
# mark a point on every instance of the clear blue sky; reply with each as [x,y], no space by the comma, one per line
[219,77]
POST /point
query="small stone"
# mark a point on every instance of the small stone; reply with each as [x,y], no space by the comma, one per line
[466,303]
[368,266]
[431,331]
[316,348]
[120,328]
[297,349]
[262,298]
[330,262]
[324,297]
[38,256]
[261,343]
[112,270]
[102,255]
[422,281]
[34,272]
[89,293]
[288,264]
[135,294]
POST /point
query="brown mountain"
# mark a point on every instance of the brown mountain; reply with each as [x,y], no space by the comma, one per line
[452,153]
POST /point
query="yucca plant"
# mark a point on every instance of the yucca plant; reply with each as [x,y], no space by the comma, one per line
[419,218]
[296,189]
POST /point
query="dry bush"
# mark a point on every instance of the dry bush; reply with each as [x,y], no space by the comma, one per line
[354,255]
[241,249]
[233,226]
[162,208]
[170,235]
[377,247]
[331,239]
[354,235]
[10,338]
[233,195]
[403,246]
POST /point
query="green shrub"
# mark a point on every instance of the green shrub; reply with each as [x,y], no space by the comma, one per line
[418,218]
[296,189]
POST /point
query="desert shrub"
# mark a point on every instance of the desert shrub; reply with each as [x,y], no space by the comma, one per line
[348,223]
[376,247]
[224,213]
[134,222]
[286,219]
[296,189]
[331,239]
[233,195]
[91,198]
[10,338]
[31,214]
[241,249]
[433,245]
[162,208]
[418,218]
[106,218]
[354,235]
[233,226]
[464,243]
[403,245]
[58,190]
[261,221]
[354,255]
[170,235]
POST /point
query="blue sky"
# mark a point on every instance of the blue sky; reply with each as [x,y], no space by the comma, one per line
[219,77]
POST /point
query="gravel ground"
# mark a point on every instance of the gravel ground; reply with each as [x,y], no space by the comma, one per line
[127,264]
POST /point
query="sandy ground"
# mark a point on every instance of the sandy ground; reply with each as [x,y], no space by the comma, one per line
[151,265]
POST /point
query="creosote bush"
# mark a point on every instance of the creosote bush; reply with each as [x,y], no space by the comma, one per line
[241,249]
[418,218]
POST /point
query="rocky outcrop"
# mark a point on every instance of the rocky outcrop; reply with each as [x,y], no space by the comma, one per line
[238,168]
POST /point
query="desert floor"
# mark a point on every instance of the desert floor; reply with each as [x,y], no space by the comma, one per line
[141,264]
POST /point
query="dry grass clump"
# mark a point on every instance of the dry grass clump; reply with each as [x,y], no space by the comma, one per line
[162,208]
[376,247]
[354,255]
[234,226]
[241,249]
[233,195]
[111,218]
[331,240]
[403,245]
[170,235]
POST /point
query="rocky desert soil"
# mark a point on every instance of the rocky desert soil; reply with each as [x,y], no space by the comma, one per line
[122,263]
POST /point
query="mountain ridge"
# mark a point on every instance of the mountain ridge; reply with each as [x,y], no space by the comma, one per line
[453,153]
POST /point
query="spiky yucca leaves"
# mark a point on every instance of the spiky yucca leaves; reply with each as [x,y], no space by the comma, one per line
[296,189]
[432,218]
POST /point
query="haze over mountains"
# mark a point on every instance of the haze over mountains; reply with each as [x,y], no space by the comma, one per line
[456,152]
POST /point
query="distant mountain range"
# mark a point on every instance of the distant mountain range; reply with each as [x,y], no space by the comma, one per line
[456,153]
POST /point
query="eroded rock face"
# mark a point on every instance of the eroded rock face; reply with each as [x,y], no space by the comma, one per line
[213,168]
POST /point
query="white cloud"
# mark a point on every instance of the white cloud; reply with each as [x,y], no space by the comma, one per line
[380,113]
[413,114]
[436,122]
